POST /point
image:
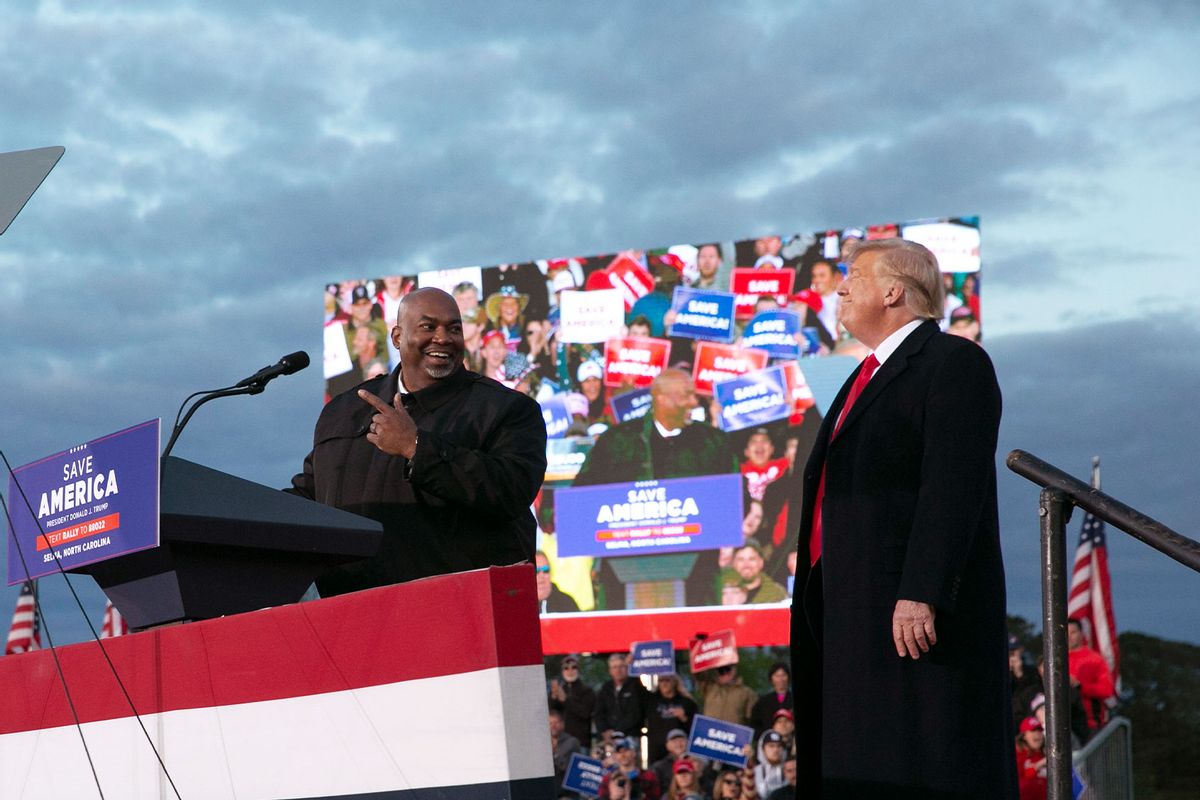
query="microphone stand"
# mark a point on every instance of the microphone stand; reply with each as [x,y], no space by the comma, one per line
[254,388]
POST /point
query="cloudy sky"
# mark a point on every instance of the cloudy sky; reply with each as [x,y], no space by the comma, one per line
[224,161]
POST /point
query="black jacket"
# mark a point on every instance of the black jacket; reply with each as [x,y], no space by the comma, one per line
[762,716]
[464,504]
[660,720]
[622,710]
[577,710]
[559,602]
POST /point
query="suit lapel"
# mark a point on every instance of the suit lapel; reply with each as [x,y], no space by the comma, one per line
[895,365]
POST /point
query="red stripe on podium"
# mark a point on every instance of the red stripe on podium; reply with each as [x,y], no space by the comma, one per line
[613,631]
[445,625]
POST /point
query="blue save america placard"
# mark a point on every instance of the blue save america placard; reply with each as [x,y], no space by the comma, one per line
[719,740]
[92,502]
[556,416]
[630,405]
[674,515]
[583,775]
[652,658]
[778,332]
[703,314]
[753,399]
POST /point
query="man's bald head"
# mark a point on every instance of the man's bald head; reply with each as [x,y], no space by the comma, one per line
[429,337]
[428,298]
[667,377]
[672,398]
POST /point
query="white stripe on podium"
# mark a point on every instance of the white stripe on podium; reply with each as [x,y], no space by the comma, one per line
[472,728]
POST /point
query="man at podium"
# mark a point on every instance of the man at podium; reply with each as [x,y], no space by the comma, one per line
[447,459]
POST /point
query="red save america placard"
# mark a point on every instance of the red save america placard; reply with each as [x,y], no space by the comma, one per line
[634,360]
[749,284]
[714,650]
[720,362]
[631,278]
[798,389]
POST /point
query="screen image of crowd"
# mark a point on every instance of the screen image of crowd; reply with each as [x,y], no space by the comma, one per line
[731,350]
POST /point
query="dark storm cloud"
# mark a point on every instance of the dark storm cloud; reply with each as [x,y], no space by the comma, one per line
[1023,267]
[1111,390]
[946,163]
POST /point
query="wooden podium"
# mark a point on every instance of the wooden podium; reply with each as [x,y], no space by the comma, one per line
[429,689]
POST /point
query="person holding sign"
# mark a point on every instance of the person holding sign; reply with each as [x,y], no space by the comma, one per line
[725,697]
[898,631]
[448,460]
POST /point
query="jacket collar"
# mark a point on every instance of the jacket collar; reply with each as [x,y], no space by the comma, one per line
[435,394]
[896,363]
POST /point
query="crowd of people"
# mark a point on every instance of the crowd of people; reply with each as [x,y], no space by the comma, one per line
[511,312]
[640,732]
[1091,694]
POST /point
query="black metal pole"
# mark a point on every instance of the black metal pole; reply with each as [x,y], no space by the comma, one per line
[1112,511]
[255,388]
[1054,510]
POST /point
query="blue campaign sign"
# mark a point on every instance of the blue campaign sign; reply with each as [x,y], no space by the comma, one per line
[630,405]
[719,740]
[753,399]
[556,416]
[674,515]
[92,502]
[777,332]
[583,775]
[652,658]
[812,340]
[703,314]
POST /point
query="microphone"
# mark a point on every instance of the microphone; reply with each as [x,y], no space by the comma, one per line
[255,384]
[293,362]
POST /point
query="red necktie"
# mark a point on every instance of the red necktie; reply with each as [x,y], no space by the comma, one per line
[869,365]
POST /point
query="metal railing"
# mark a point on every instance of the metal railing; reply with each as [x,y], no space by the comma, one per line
[1105,763]
[1060,493]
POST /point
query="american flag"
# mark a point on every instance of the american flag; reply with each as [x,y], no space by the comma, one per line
[24,636]
[114,623]
[1090,600]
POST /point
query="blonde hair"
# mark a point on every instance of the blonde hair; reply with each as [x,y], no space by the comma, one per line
[917,270]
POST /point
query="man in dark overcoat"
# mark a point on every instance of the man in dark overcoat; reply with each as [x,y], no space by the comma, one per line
[898,633]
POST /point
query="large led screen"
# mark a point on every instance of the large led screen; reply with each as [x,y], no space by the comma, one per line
[681,387]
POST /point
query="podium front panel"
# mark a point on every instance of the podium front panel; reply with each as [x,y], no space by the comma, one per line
[429,689]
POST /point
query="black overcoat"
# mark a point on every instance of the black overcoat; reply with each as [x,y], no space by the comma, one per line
[909,513]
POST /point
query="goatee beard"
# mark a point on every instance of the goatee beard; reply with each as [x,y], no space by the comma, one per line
[436,371]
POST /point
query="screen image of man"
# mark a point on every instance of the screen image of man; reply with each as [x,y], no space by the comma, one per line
[663,444]
[551,599]
[898,626]
[748,562]
[448,460]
